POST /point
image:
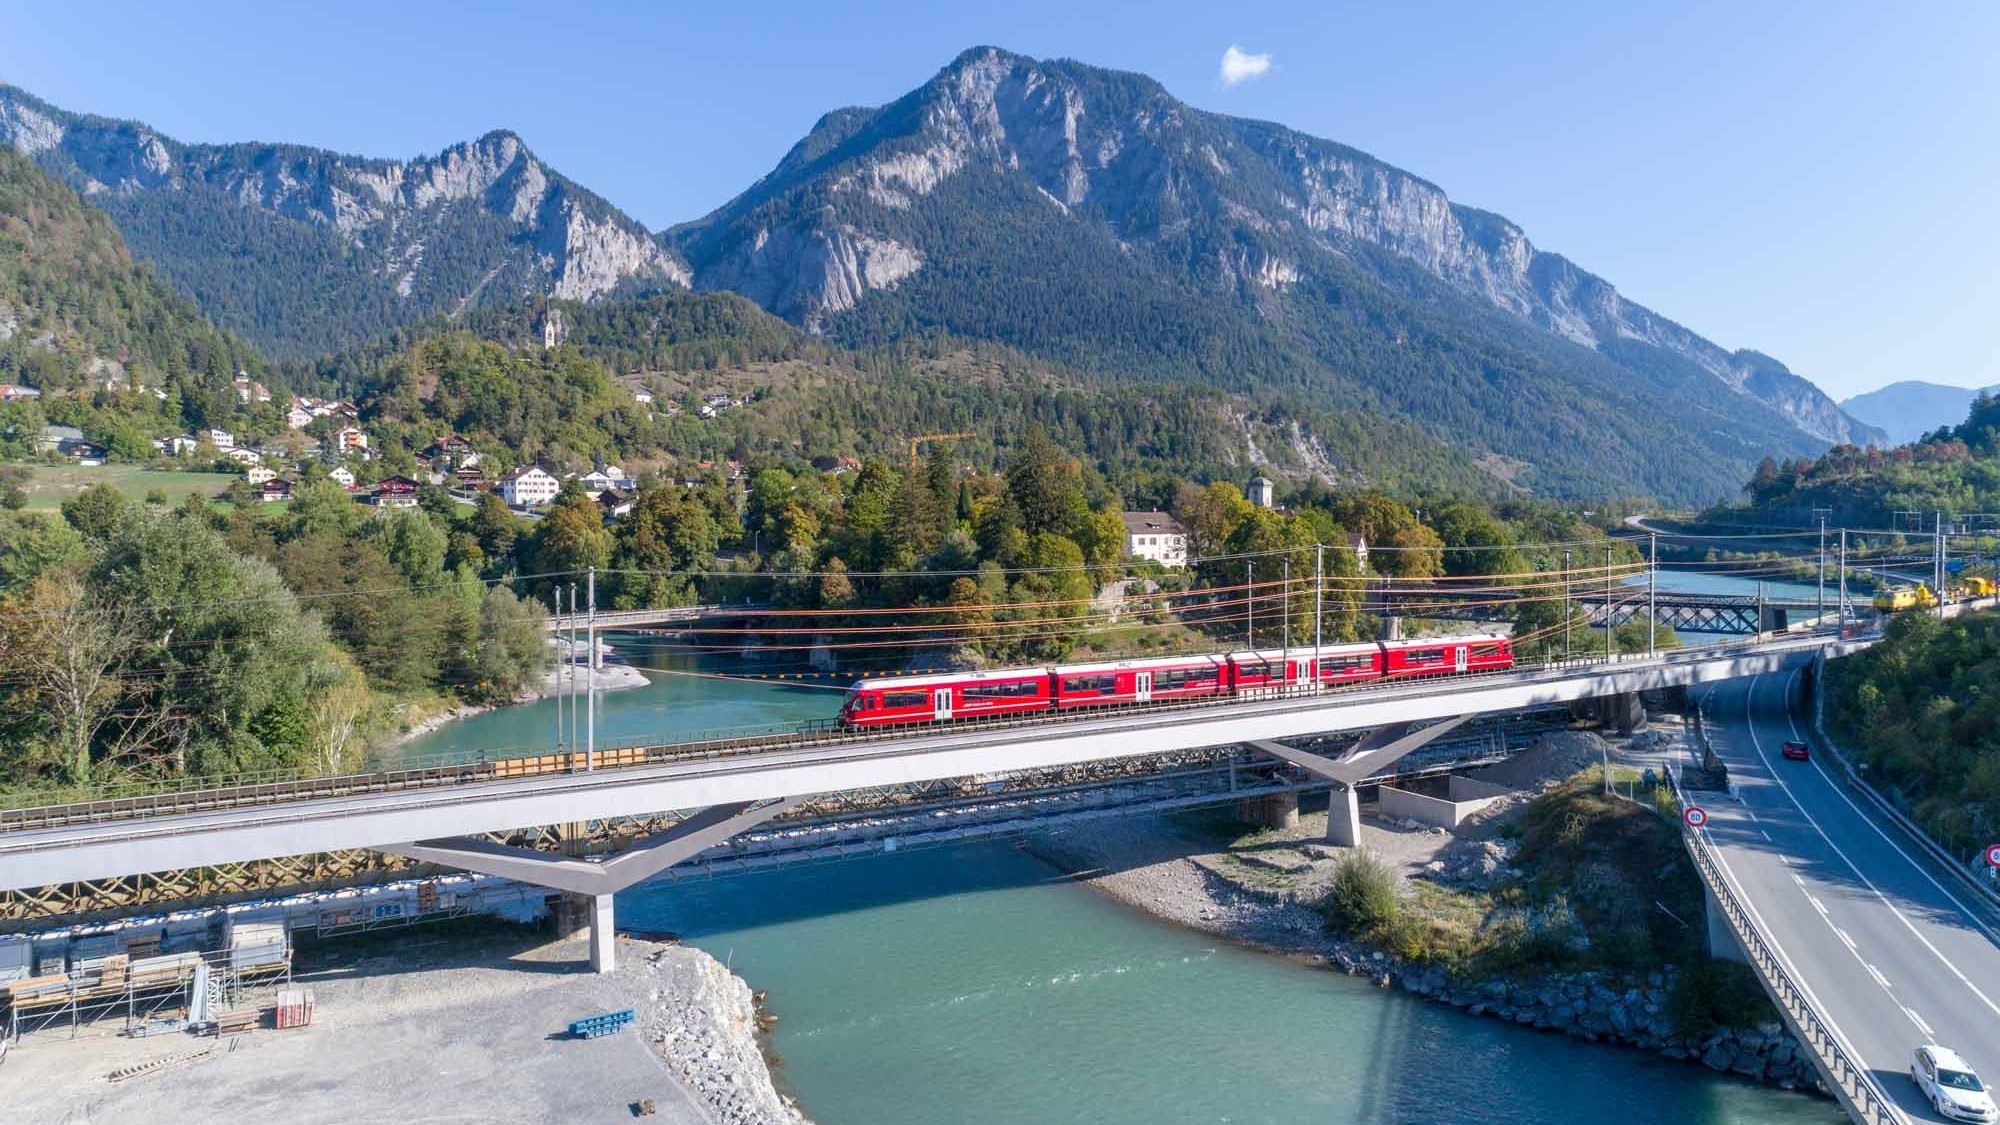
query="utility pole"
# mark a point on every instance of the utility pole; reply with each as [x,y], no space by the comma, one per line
[1566,609]
[590,674]
[1822,513]
[573,740]
[1287,637]
[555,598]
[1652,593]
[1607,603]
[1843,581]
[1319,615]
[1250,602]
[1937,559]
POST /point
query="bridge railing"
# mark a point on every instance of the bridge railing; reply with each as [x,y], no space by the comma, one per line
[1855,1086]
[187,795]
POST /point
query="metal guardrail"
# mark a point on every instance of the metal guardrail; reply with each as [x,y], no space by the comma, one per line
[190,795]
[1854,1087]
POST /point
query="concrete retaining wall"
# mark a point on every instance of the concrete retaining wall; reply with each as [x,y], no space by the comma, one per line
[1466,797]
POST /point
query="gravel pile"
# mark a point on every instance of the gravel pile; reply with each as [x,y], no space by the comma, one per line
[1553,759]
[702,1021]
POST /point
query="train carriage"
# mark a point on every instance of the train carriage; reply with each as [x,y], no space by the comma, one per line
[1446,656]
[1114,682]
[946,696]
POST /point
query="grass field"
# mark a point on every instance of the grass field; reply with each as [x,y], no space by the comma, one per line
[52,484]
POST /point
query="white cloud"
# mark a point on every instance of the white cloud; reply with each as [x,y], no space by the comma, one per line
[1240,66]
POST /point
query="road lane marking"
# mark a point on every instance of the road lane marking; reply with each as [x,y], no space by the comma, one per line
[1817,905]
[1844,937]
[1879,978]
[1886,838]
[1919,1021]
[1766,835]
[1758,745]
[1799,881]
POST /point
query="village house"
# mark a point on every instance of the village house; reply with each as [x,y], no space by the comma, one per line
[244,456]
[15,392]
[350,439]
[394,492]
[181,445]
[221,439]
[342,476]
[449,452]
[1359,545]
[1155,536]
[469,476]
[249,390]
[258,474]
[298,417]
[615,503]
[1262,492]
[528,487]
[643,397]
[275,490]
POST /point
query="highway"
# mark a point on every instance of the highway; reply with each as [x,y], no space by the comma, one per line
[1893,953]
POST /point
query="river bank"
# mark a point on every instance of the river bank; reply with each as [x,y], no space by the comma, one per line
[464,1024]
[563,679]
[1264,889]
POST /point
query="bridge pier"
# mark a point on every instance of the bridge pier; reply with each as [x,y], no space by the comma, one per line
[1722,943]
[1343,816]
[1382,748]
[589,884]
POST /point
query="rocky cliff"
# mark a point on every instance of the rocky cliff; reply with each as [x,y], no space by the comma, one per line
[1235,208]
[233,226]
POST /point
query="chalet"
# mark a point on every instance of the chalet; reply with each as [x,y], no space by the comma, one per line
[1156,536]
[394,492]
[469,476]
[529,487]
[342,476]
[615,503]
[15,392]
[249,390]
[244,456]
[449,451]
[275,490]
[258,474]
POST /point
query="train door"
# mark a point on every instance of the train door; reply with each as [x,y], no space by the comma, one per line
[1142,687]
[1458,658]
[941,704]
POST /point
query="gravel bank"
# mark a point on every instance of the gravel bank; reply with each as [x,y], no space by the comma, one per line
[437,1027]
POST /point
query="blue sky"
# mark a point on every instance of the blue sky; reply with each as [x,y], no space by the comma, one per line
[1815,180]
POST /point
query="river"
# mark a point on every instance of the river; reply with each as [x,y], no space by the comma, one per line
[976,984]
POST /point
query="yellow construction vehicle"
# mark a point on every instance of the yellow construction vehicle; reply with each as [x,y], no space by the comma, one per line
[1973,586]
[1918,596]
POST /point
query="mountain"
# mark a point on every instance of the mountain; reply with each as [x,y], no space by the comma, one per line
[1086,215]
[1912,408]
[304,251]
[76,310]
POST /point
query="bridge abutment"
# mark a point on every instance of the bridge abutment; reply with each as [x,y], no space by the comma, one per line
[1269,810]
[1722,943]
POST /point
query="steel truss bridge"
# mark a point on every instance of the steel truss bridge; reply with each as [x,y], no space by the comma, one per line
[1733,614]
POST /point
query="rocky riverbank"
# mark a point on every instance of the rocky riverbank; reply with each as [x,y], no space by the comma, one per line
[1264,891]
[704,1023]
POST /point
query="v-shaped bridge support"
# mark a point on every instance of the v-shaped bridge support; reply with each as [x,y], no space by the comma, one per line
[1382,748]
[597,879]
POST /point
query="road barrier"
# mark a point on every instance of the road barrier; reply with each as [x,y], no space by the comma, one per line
[1849,1081]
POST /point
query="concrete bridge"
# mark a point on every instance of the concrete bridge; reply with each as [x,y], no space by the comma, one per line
[440,816]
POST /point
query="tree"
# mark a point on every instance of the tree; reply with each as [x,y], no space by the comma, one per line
[1210,515]
[69,652]
[95,511]
[572,538]
[1045,486]
[511,648]
[496,527]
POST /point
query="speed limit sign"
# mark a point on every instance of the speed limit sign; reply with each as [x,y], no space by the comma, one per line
[1696,816]
[1993,855]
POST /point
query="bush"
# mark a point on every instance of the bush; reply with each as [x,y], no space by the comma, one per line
[1362,899]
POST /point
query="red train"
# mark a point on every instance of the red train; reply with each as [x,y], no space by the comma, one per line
[954,696]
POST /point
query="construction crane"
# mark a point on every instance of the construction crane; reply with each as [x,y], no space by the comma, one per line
[917,442]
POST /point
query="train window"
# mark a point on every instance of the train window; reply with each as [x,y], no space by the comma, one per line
[1175,679]
[1020,689]
[1485,652]
[1090,685]
[1424,656]
[1342,665]
[1272,671]
[906,699]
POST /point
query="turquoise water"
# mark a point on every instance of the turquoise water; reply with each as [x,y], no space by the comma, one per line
[975,984]
[685,697]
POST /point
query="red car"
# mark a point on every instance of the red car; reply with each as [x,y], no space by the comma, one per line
[1795,751]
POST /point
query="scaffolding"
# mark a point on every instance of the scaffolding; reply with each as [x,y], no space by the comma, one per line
[192,984]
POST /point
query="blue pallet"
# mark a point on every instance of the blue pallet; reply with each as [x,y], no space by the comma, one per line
[590,1027]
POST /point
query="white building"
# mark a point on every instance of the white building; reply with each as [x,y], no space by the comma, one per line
[350,439]
[1156,536]
[342,476]
[1262,492]
[1359,545]
[258,474]
[180,445]
[528,487]
[298,417]
[222,439]
[244,456]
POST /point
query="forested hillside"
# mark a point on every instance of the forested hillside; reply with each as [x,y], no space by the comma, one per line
[77,312]
[1953,469]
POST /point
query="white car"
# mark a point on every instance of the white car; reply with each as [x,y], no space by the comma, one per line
[1955,1092]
